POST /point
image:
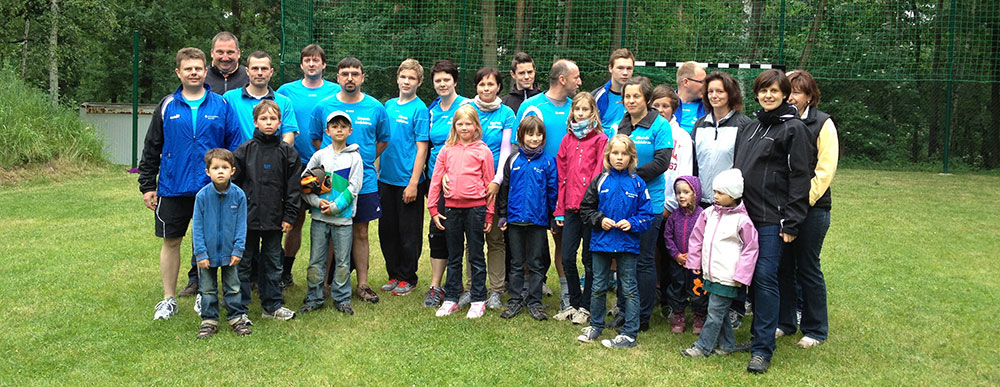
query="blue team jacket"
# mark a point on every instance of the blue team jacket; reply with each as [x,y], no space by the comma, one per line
[529,190]
[219,224]
[616,195]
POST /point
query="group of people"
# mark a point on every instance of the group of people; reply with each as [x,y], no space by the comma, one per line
[666,195]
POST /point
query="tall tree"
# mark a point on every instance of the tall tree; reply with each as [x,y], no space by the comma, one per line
[489,22]
[813,31]
[54,54]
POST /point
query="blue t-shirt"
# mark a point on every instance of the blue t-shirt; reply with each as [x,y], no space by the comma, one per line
[494,123]
[554,116]
[369,124]
[689,113]
[304,99]
[243,104]
[440,128]
[614,112]
[408,123]
[195,104]
[648,140]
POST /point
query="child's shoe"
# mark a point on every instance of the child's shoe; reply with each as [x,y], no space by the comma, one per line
[240,325]
[464,299]
[434,297]
[537,312]
[677,323]
[447,308]
[345,308]
[513,309]
[699,322]
[588,335]
[582,316]
[565,314]
[165,309]
[493,301]
[389,286]
[808,342]
[208,329]
[367,294]
[620,341]
[197,304]
[403,288]
[693,352]
[778,333]
[546,291]
[309,308]
[282,313]
[476,309]
[735,319]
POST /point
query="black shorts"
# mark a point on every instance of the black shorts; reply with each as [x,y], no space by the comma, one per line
[435,236]
[173,215]
[369,208]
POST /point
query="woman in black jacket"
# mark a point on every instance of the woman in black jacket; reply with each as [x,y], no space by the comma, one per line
[774,153]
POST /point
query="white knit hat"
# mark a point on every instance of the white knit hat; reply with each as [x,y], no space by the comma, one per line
[729,182]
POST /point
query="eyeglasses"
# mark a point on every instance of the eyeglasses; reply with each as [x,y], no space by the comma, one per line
[696,80]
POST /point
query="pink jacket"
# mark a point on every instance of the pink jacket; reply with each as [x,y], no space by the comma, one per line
[578,162]
[470,169]
[724,246]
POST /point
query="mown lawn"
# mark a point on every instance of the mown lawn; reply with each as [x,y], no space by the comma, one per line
[910,261]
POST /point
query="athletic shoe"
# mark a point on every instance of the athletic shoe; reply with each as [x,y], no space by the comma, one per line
[620,341]
[693,352]
[447,308]
[309,308]
[808,342]
[778,333]
[197,304]
[614,311]
[464,300]
[282,313]
[390,286]
[434,297]
[286,281]
[513,309]
[493,301]
[165,309]
[537,312]
[476,309]
[367,294]
[403,288]
[666,311]
[241,326]
[208,329]
[189,290]
[582,316]
[546,291]
[677,323]
[564,301]
[798,317]
[699,322]
[748,307]
[735,319]
[565,314]
[345,308]
[589,335]
[758,365]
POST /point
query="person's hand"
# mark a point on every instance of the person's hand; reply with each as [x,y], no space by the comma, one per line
[491,191]
[681,259]
[325,207]
[445,188]
[150,199]
[437,221]
[560,223]
[607,224]
[788,238]
[624,225]
[286,227]
[502,223]
[409,193]
[696,271]
[486,226]
[233,261]
[666,213]
[203,264]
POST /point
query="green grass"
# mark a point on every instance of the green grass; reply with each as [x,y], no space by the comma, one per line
[910,262]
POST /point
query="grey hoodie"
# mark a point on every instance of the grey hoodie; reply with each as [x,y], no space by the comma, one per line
[346,173]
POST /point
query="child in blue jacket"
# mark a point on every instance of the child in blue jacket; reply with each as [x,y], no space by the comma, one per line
[617,205]
[527,196]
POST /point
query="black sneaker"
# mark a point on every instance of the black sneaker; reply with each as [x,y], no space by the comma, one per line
[513,309]
[286,281]
[537,312]
[758,365]
[189,290]
[309,308]
[345,308]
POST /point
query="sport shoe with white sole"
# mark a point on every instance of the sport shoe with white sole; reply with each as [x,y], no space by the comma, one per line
[620,341]
[403,288]
[493,301]
[582,316]
[464,299]
[589,334]
[778,333]
[693,352]
[446,309]
[390,286]
[565,314]
[165,309]
[434,297]
[282,313]
[476,309]
[808,342]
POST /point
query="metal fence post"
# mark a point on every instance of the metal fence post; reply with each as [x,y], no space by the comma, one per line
[950,91]
[135,96]
[781,35]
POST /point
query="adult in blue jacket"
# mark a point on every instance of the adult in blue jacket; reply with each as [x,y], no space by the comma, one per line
[185,125]
[609,96]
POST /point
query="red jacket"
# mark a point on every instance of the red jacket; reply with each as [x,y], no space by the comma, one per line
[470,170]
[578,162]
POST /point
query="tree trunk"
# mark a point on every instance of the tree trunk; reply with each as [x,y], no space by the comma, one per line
[519,26]
[813,31]
[54,54]
[489,20]
[617,30]
[566,24]
[940,22]
[756,13]
[24,48]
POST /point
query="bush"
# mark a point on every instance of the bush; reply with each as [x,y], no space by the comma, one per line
[32,130]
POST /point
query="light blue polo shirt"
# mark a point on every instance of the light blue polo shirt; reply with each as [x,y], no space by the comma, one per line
[647,141]
[554,116]
[243,104]
[494,123]
[440,128]
[304,99]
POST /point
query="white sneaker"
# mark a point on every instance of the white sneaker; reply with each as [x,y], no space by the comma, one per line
[778,333]
[582,316]
[493,301]
[565,314]
[476,310]
[282,313]
[165,309]
[588,335]
[807,342]
[447,308]
[197,304]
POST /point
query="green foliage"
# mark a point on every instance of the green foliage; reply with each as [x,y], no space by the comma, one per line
[32,130]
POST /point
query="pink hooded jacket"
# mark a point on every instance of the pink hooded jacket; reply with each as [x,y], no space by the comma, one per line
[723,245]
[470,170]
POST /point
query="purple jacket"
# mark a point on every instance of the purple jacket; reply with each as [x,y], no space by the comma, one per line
[677,229]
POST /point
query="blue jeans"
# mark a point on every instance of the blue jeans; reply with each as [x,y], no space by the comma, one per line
[526,250]
[766,297]
[717,328]
[573,231]
[626,281]
[465,225]
[322,234]
[800,265]
[262,264]
[646,270]
[208,287]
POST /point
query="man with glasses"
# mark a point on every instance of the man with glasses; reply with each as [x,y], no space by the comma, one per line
[226,73]
[690,80]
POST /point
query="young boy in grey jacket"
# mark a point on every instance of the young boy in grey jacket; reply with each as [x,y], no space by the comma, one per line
[332,214]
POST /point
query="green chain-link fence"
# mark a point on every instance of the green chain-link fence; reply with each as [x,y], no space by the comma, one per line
[897,76]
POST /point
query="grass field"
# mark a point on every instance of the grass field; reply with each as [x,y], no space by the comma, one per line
[910,261]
